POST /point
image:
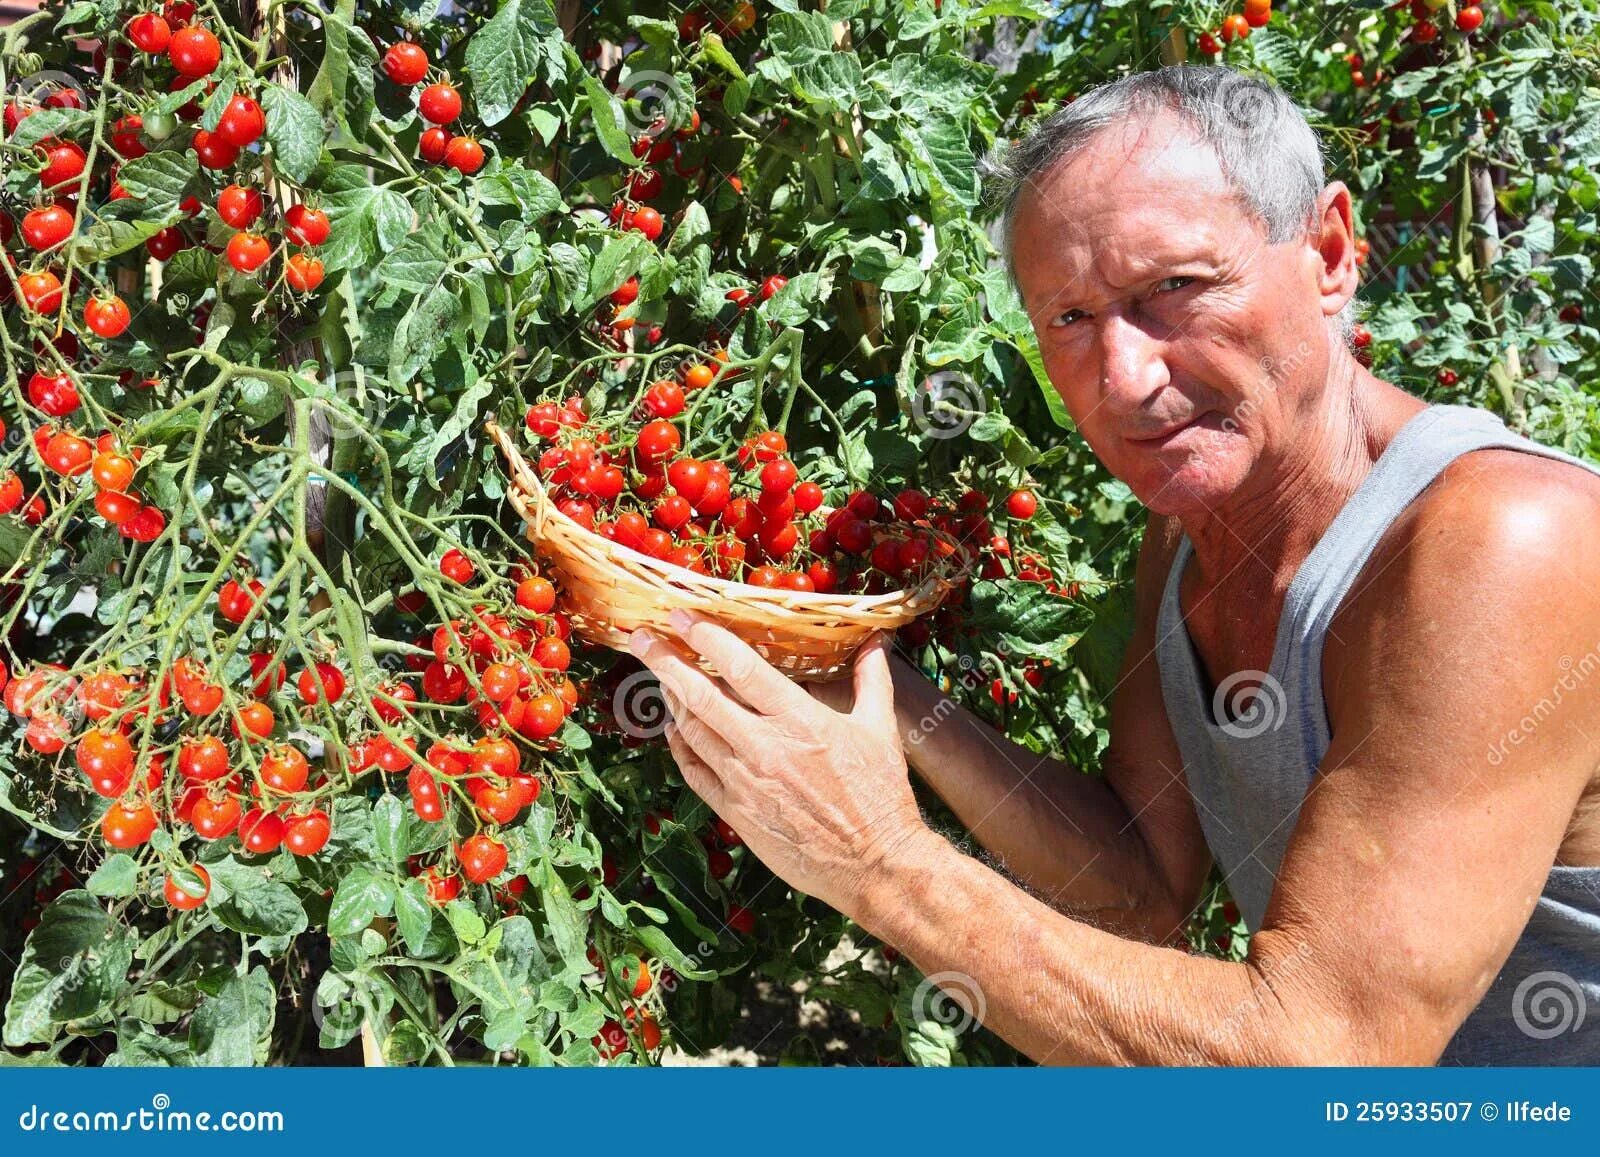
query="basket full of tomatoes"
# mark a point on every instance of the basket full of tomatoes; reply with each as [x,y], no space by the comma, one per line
[632,532]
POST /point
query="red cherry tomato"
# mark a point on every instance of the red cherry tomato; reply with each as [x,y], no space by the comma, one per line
[107,317]
[439,103]
[405,63]
[194,52]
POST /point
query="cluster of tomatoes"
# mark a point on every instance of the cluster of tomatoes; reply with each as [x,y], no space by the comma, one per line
[241,773]
[406,64]
[1236,26]
[763,525]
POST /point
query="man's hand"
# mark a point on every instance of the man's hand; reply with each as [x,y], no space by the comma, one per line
[821,796]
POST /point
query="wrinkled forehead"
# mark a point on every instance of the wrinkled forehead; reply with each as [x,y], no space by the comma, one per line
[1141,191]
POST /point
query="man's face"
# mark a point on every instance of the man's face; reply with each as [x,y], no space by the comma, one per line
[1185,347]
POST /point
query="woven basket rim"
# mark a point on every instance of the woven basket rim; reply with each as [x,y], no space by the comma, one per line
[808,600]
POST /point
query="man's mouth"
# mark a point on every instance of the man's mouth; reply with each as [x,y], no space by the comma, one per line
[1165,434]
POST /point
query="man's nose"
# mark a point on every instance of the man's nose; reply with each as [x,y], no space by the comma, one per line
[1133,366]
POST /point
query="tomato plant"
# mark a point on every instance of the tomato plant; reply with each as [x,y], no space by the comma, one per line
[284,676]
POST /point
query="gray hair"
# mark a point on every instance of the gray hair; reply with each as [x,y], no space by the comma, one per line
[1266,149]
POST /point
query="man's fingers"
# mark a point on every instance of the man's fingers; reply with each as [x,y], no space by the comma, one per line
[700,778]
[712,750]
[755,680]
[695,692]
[874,683]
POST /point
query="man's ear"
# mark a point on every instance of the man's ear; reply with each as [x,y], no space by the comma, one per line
[1333,239]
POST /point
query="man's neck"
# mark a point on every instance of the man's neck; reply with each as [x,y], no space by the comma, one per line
[1266,530]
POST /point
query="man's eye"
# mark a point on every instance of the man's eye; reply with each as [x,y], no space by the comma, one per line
[1069,317]
[1171,283]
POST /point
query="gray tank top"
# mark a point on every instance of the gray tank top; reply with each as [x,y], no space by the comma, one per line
[1249,775]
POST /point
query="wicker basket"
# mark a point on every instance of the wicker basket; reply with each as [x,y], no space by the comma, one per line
[609,590]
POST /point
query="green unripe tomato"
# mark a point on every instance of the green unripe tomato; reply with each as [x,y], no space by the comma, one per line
[159,126]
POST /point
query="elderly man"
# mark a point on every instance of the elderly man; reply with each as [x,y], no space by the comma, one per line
[1401,588]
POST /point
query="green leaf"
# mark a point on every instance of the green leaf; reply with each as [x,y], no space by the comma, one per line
[74,965]
[610,123]
[115,877]
[294,130]
[42,124]
[389,828]
[233,1024]
[368,220]
[1025,620]
[108,237]
[714,50]
[247,901]
[413,915]
[343,86]
[362,896]
[619,260]
[503,56]
[159,179]
[568,927]
[530,191]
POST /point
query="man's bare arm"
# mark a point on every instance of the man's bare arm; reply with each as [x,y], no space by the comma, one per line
[1415,860]
[1124,850]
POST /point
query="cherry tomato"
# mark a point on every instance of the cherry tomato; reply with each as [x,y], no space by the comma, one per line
[439,103]
[332,682]
[46,227]
[1022,504]
[771,285]
[698,377]
[457,567]
[260,831]
[194,52]
[149,33]
[303,272]
[433,144]
[1234,27]
[658,441]
[128,825]
[1469,19]
[537,595]
[306,227]
[239,206]
[108,317]
[1257,13]
[306,835]
[235,600]
[163,245]
[213,151]
[63,163]
[178,891]
[464,154]
[482,859]
[248,252]
[405,63]
[647,221]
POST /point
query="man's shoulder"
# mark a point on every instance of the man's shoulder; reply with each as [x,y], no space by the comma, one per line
[1501,524]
